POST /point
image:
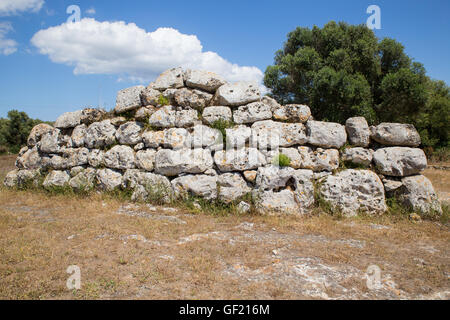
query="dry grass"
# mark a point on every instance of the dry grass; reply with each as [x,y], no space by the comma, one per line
[207,257]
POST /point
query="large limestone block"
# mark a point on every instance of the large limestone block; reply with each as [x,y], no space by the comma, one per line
[352,191]
[192,98]
[396,134]
[68,120]
[286,202]
[37,132]
[292,113]
[206,137]
[273,177]
[358,131]
[231,187]
[150,96]
[120,157]
[11,179]
[418,193]
[237,94]
[174,162]
[204,80]
[186,118]
[399,161]
[174,138]
[56,179]
[153,139]
[252,112]
[238,137]
[31,159]
[326,134]
[198,185]
[129,133]
[170,79]
[91,115]
[100,134]
[215,113]
[239,160]
[70,158]
[164,117]
[51,142]
[269,134]
[109,179]
[318,159]
[128,99]
[358,155]
[96,158]
[145,159]
[84,180]
[78,135]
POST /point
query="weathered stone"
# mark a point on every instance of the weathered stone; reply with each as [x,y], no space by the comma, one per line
[150,97]
[120,157]
[319,159]
[231,187]
[272,103]
[391,185]
[396,134]
[269,134]
[163,118]
[174,138]
[239,160]
[206,137]
[215,113]
[358,156]
[236,94]
[76,170]
[144,113]
[68,120]
[96,158]
[173,162]
[37,132]
[238,137]
[78,135]
[292,154]
[139,146]
[250,175]
[118,121]
[70,158]
[399,161]
[129,133]
[243,207]
[351,191]
[109,179]
[252,112]
[192,98]
[145,159]
[292,113]
[152,187]
[273,177]
[11,179]
[56,179]
[172,79]
[128,99]
[358,131]
[51,142]
[204,80]
[28,177]
[29,160]
[282,202]
[418,194]
[186,118]
[100,134]
[326,134]
[91,115]
[84,181]
[198,185]
[153,139]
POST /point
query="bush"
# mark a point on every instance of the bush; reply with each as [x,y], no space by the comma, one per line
[282,160]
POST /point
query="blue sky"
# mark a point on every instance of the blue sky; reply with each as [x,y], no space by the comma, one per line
[51,71]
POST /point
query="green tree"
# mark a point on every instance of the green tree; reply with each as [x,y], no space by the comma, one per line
[344,70]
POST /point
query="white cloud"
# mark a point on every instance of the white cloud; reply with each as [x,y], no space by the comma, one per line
[94,47]
[12,7]
[7,46]
[91,11]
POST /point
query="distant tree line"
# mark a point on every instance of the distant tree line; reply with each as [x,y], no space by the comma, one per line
[14,131]
[344,70]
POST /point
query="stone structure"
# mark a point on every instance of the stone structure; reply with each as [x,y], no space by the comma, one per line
[163,141]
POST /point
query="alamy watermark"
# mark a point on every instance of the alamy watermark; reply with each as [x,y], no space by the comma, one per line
[374,21]
[74,281]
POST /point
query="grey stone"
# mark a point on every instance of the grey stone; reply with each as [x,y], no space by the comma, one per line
[292,113]
[358,131]
[84,181]
[198,185]
[358,156]
[326,134]
[239,160]
[128,99]
[11,179]
[396,134]
[109,179]
[100,134]
[164,117]
[56,179]
[215,113]
[237,94]
[186,118]
[96,158]
[399,161]
[269,134]
[120,157]
[319,159]
[150,96]
[91,115]
[37,132]
[170,79]
[238,137]
[231,187]
[173,162]
[145,159]
[68,120]
[51,142]
[206,137]
[418,193]
[29,160]
[129,133]
[192,98]
[203,80]
[78,135]
[252,112]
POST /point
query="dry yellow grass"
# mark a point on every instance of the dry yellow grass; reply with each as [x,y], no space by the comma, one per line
[172,254]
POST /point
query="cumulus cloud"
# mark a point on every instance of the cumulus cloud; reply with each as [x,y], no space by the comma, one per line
[91,11]
[7,46]
[94,47]
[12,7]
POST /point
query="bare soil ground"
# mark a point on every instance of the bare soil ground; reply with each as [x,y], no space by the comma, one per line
[129,251]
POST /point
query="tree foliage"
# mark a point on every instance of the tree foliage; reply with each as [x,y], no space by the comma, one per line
[344,70]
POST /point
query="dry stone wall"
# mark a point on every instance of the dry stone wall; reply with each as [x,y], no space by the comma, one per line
[192,133]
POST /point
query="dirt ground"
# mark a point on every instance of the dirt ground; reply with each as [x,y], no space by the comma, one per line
[128,251]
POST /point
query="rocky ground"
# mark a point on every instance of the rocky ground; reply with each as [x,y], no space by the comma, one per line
[129,251]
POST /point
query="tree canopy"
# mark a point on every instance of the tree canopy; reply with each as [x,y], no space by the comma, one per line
[344,70]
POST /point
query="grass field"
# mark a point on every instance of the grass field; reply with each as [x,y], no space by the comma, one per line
[129,251]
